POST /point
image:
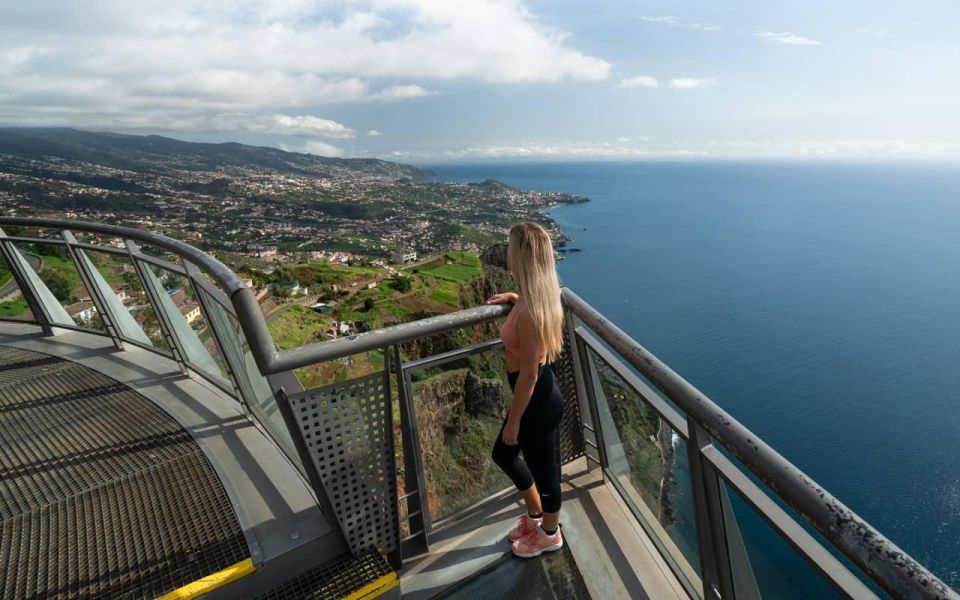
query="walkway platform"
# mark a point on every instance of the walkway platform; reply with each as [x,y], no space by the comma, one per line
[614,556]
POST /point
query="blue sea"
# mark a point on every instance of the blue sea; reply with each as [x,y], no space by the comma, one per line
[819,303]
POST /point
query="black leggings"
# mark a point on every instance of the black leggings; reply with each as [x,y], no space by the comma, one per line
[537,440]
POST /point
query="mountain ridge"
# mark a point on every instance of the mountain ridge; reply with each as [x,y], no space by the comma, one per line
[155,154]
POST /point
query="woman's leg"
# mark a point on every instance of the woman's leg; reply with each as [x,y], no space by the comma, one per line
[538,441]
[508,459]
[540,454]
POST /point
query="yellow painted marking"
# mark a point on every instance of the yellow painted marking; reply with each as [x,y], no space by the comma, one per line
[377,588]
[211,581]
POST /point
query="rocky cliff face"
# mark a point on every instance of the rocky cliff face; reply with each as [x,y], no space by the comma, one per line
[482,396]
[458,415]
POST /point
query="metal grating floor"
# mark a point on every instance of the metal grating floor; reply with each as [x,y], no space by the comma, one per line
[553,576]
[102,494]
[336,579]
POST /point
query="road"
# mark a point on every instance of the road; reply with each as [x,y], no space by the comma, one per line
[10,288]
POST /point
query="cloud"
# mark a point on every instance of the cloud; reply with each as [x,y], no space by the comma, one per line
[315,147]
[401,92]
[788,39]
[644,148]
[680,22]
[374,133]
[301,125]
[837,149]
[621,147]
[171,63]
[873,31]
[639,81]
[691,83]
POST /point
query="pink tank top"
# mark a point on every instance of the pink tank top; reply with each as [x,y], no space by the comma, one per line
[508,334]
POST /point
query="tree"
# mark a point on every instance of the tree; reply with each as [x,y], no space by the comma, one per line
[59,285]
[400,283]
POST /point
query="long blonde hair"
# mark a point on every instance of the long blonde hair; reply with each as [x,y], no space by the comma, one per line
[530,257]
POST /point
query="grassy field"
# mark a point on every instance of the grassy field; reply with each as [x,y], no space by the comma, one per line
[14,308]
[298,326]
[447,293]
[458,267]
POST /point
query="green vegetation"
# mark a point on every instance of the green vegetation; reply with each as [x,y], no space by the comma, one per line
[13,308]
[458,267]
[447,293]
[297,326]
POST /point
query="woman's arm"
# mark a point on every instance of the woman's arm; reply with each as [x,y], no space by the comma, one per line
[529,357]
[504,298]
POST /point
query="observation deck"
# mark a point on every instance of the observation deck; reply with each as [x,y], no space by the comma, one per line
[155,443]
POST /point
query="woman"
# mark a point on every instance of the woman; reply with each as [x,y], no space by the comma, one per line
[532,337]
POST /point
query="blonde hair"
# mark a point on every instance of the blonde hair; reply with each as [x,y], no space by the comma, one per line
[530,258]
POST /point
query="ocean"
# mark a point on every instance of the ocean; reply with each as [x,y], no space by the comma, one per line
[818,303]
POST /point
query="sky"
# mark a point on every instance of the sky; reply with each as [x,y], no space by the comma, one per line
[429,81]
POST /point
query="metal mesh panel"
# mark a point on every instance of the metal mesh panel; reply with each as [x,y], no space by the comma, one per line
[337,578]
[101,493]
[571,427]
[348,431]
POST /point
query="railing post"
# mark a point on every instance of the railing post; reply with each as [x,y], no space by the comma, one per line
[418,506]
[591,384]
[96,296]
[708,512]
[585,393]
[147,281]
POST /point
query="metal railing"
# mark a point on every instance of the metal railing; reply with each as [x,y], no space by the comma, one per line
[610,373]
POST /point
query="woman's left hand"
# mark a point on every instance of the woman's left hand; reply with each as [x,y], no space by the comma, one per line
[510,433]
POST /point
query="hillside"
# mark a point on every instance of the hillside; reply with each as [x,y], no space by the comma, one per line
[159,155]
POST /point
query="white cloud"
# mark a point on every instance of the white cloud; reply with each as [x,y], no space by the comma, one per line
[160,63]
[620,148]
[788,39]
[644,148]
[837,149]
[691,83]
[401,92]
[873,31]
[322,149]
[302,125]
[681,22]
[374,133]
[639,81]
[314,147]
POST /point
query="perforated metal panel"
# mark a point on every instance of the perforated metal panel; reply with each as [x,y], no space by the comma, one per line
[348,432]
[571,427]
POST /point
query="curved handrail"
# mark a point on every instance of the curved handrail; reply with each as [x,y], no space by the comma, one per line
[221,273]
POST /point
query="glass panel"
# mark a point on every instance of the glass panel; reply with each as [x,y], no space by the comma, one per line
[121,277]
[119,286]
[769,566]
[649,461]
[460,408]
[12,303]
[60,276]
[182,309]
[255,387]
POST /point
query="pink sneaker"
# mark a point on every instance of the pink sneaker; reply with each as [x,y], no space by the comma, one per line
[525,524]
[536,543]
